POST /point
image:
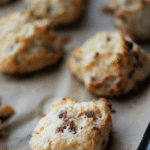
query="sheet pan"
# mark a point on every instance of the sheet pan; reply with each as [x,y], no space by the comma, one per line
[31,95]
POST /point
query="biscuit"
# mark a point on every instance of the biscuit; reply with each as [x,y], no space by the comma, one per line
[6,112]
[109,64]
[59,11]
[133,19]
[27,44]
[70,125]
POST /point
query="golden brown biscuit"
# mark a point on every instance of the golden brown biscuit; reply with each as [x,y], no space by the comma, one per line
[70,125]
[134,20]
[27,44]
[59,11]
[131,17]
[109,64]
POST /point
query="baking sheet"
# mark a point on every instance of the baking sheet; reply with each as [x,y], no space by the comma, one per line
[31,95]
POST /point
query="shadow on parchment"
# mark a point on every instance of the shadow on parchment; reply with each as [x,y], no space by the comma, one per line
[141,88]
[112,141]
[46,70]
[143,42]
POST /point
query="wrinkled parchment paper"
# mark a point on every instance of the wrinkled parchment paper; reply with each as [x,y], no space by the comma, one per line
[31,95]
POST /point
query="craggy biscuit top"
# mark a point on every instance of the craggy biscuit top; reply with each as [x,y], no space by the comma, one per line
[59,11]
[27,44]
[71,125]
[109,64]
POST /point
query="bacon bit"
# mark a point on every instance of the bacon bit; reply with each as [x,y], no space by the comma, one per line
[89,114]
[61,129]
[108,39]
[96,54]
[70,124]
[97,129]
[64,98]
[93,78]
[63,114]
[64,126]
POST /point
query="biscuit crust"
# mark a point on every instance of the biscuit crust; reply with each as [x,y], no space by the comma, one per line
[26,44]
[109,64]
[61,12]
[71,125]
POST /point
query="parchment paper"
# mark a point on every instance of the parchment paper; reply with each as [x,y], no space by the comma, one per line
[31,95]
